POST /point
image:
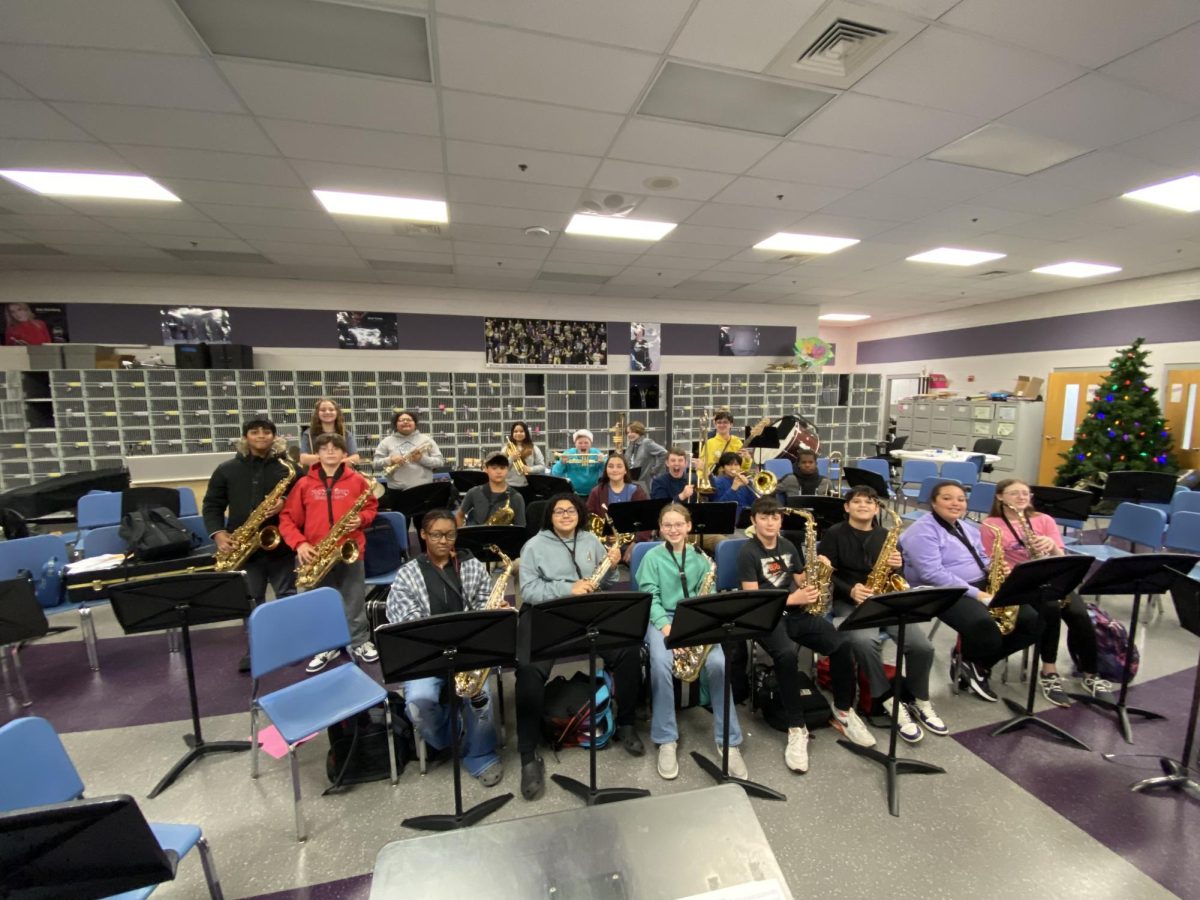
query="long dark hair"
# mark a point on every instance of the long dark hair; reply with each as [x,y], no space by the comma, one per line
[575,500]
[528,442]
[604,479]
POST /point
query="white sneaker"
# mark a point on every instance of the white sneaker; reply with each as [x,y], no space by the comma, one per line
[906,727]
[929,717]
[321,660]
[668,760]
[853,729]
[795,756]
[366,652]
[737,765]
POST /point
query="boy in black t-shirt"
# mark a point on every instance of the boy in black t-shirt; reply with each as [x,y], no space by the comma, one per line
[770,561]
[483,500]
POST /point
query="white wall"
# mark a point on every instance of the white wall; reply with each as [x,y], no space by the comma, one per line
[191,290]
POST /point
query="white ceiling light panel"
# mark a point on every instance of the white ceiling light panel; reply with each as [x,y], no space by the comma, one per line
[90,184]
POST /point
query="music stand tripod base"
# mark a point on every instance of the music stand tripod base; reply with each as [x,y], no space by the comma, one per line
[1176,776]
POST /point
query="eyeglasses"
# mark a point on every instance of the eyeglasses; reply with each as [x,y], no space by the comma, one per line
[568,511]
[441,535]
[1018,493]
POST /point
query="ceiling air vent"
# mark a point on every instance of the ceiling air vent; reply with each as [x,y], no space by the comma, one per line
[417,229]
[841,48]
[796,259]
[994,273]
[573,277]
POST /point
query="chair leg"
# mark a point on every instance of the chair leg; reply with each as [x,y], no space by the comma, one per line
[87,626]
[391,739]
[500,700]
[172,640]
[22,688]
[1025,664]
[301,827]
[253,741]
[210,870]
[937,623]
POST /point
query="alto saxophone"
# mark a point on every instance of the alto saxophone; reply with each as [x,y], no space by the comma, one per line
[881,579]
[1027,536]
[502,515]
[407,458]
[469,685]
[817,572]
[333,548]
[247,537]
[1005,617]
[689,661]
[601,570]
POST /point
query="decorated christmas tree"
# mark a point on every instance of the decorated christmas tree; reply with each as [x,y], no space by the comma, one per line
[1124,428]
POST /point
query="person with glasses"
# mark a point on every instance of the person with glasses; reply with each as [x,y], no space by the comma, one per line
[1014,500]
[557,562]
[414,455]
[439,581]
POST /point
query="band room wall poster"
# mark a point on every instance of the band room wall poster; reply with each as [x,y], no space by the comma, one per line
[194,325]
[28,326]
[738,340]
[645,346]
[367,331]
[541,343]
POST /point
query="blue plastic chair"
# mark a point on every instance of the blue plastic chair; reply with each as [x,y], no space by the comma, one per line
[287,631]
[879,466]
[35,770]
[979,501]
[1183,534]
[1185,501]
[400,526]
[187,502]
[823,466]
[965,473]
[640,549]
[102,540]
[101,508]
[727,553]
[195,524]
[41,556]
[780,468]
[915,471]
[923,495]
[1132,522]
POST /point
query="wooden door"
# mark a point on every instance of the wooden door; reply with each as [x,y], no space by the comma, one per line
[1180,400]
[1068,396]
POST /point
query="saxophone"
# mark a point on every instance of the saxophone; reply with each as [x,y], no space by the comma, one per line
[408,457]
[1027,536]
[333,548]
[1004,616]
[689,661]
[469,685]
[248,537]
[882,579]
[816,571]
[601,570]
[502,515]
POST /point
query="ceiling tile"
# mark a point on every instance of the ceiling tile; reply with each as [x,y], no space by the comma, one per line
[369,243]
[764,192]
[98,76]
[37,120]
[652,277]
[709,149]
[109,251]
[965,74]
[874,204]
[264,215]
[518,123]
[492,234]
[841,226]
[941,181]
[494,192]
[177,242]
[150,25]
[9,89]
[210,165]
[861,122]
[289,235]
[565,256]
[408,256]
[727,215]
[182,228]
[1167,67]
[60,155]
[241,194]
[627,23]
[511,63]
[282,91]
[685,250]
[355,146]
[1107,172]
[1097,111]
[490,161]
[370,180]
[169,127]
[628,177]
[741,35]
[825,165]
[734,238]
[508,217]
[1087,32]
[927,9]
[500,251]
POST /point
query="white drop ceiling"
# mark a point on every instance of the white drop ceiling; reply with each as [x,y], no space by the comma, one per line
[533,108]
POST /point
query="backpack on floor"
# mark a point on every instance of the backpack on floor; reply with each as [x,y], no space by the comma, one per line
[865,701]
[155,533]
[567,711]
[1112,643]
[358,750]
[769,700]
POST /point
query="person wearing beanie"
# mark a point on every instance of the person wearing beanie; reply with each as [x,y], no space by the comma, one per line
[581,466]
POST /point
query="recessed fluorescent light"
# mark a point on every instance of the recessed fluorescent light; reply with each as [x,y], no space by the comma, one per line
[607,226]
[950,256]
[805,243]
[843,317]
[90,184]
[382,206]
[1077,269]
[1182,194]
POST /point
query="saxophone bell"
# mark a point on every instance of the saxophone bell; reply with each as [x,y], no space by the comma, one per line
[269,538]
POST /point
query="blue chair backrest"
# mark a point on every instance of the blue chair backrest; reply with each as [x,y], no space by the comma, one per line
[962,472]
[927,485]
[914,471]
[879,466]
[293,628]
[34,766]
[1185,501]
[399,525]
[780,468]
[727,553]
[41,556]
[639,550]
[1139,524]
[823,466]
[1184,532]
[195,524]
[187,502]
[981,497]
[98,541]
[94,510]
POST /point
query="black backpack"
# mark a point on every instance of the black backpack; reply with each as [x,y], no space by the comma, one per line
[358,746]
[769,700]
[567,710]
[155,533]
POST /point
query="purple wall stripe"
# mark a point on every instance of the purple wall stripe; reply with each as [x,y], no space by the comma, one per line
[1160,323]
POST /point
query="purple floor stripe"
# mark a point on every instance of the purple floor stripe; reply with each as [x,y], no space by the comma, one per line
[1155,832]
[356,888]
[139,682]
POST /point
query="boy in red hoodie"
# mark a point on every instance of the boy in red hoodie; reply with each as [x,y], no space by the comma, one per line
[319,499]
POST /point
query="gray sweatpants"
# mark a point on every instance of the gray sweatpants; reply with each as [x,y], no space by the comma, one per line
[349,580]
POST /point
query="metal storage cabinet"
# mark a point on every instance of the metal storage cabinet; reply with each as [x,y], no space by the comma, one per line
[959,423]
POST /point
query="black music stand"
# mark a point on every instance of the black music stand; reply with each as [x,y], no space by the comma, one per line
[1137,574]
[767,439]
[856,477]
[81,848]
[899,608]
[826,510]
[21,619]
[713,518]
[1038,582]
[476,538]
[1178,773]
[1139,487]
[636,515]
[142,497]
[440,647]
[544,487]
[182,601]
[465,479]
[1062,503]
[414,502]
[713,619]
[591,622]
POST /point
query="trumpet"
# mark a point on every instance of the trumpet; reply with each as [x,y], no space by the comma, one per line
[513,452]
[703,485]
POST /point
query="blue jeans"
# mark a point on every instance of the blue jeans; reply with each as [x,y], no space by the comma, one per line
[662,693]
[422,698]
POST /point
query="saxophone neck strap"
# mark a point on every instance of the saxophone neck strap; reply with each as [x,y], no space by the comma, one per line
[956,529]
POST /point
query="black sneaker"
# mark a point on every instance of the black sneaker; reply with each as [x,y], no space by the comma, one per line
[977,681]
[533,778]
[628,736]
[244,664]
[1052,690]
